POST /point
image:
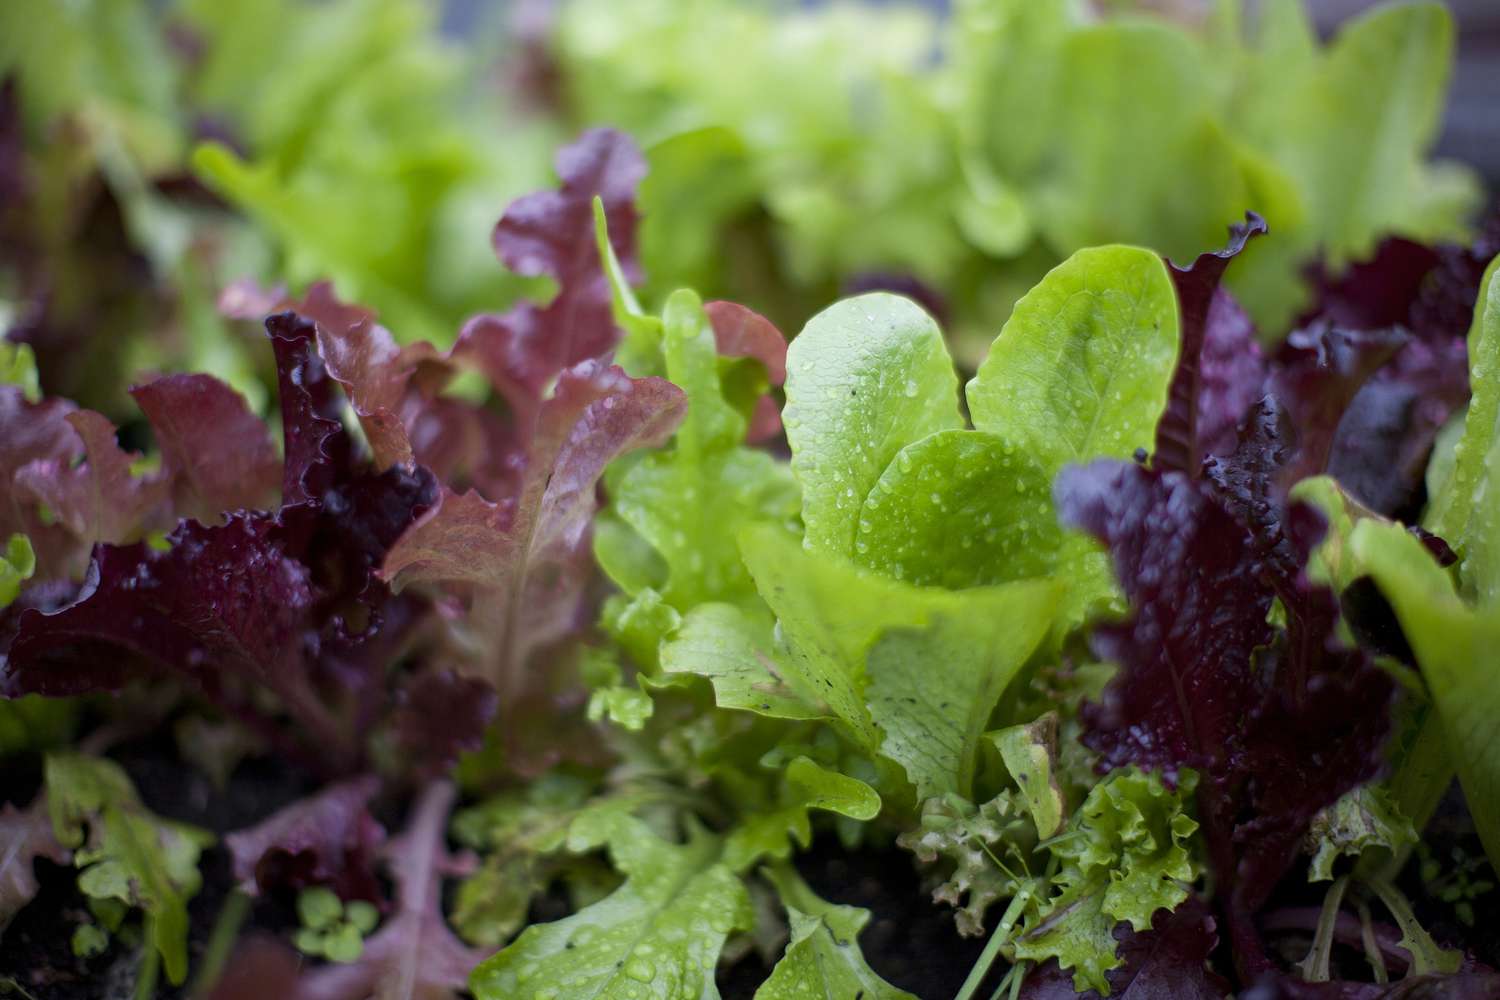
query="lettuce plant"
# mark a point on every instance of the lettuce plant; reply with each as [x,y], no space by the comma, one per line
[637,603]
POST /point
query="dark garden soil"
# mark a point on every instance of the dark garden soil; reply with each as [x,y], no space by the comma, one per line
[910,941]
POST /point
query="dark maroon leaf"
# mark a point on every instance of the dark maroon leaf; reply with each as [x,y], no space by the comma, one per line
[1317,372]
[316,448]
[440,714]
[329,839]
[1278,723]
[285,603]
[1192,578]
[217,452]
[1375,293]
[1218,365]
[1380,451]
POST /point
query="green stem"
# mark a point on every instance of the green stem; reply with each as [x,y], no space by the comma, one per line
[1314,967]
[1372,946]
[220,942]
[145,980]
[997,941]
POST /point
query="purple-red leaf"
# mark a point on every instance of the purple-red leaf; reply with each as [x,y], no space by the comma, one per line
[98,500]
[551,233]
[1218,365]
[1277,723]
[219,454]
[25,835]
[744,333]
[329,839]
[413,955]
[1317,372]
[534,548]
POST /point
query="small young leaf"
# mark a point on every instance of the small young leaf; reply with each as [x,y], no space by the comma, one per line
[1029,751]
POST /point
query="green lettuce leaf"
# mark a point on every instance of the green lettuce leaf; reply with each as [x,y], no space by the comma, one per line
[124,852]
[1453,644]
[822,958]
[768,834]
[866,377]
[657,937]
[1365,819]
[1125,856]
[1464,511]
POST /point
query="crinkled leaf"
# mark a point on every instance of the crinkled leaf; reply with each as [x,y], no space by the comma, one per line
[657,936]
[1363,819]
[1274,742]
[1167,962]
[955,832]
[866,377]
[1125,857]
[266,602]
[328,839]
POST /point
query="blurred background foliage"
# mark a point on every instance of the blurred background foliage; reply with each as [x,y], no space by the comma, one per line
[153,153]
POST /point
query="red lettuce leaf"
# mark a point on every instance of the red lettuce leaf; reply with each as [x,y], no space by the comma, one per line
[551,234]
[287,603]
[1317,372]
[329,839]
[1218,364]
[413,955]
[219,454]
[532,552]
[25,835]
[1278,723]
[97,499]
[743,333]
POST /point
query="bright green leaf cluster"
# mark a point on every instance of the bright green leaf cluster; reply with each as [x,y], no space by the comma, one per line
[123,852]
[1044,128]
[1126,854]
[331,928]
